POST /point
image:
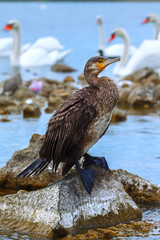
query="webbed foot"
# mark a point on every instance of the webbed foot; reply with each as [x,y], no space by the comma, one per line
[98,161]
[87,176]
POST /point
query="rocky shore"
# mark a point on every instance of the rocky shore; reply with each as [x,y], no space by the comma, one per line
[53,206]
[62,206]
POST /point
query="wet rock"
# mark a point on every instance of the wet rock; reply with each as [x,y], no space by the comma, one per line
[133,229]
[123,97]
[157,93]
[144,91]
[6,101]
[4,120]
[11,84]
[65,207]
[22,159]
[141,96]
[49,110]
[55,102]
[143,73]
[31,110]
[62,68]
[68,79]
[118,115]
[23,92]
[140,190]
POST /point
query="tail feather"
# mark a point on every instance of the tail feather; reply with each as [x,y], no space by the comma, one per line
[34,168]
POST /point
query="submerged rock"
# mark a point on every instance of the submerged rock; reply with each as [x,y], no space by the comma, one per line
[65,207]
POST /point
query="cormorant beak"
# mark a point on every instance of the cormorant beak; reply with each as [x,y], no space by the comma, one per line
[111,60]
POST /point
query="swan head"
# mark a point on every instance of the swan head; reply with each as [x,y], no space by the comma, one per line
[151,18]
[11,25]
[117,32]
[99,19]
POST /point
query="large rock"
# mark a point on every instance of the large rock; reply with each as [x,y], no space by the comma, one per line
[141,190]
[22,159]
[65,207]
[142,96]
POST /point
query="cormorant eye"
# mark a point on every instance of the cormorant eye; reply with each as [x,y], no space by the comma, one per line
[99,60]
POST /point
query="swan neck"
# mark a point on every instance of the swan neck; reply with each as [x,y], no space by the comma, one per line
[15,57]
[156,31]
[101,37]
[125,55]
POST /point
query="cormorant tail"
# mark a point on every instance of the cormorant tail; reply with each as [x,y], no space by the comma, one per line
[34,168]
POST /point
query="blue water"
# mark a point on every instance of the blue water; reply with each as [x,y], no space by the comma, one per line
[132,145]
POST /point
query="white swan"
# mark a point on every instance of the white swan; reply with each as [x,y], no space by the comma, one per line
[147,55]
[6,47]
[114,50]
[154,18]
[44,51]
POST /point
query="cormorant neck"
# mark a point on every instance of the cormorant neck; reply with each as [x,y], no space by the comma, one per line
[92,78]
[94,81]
[15,56]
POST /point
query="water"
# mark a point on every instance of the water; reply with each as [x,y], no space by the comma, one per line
[132,145]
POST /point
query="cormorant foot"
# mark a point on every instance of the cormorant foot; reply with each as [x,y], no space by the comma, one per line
[98,161]
[87,176]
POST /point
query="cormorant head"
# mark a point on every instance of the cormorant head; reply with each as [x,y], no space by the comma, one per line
[12,24]
[96,65]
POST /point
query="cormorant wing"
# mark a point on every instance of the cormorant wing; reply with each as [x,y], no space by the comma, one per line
[67,126]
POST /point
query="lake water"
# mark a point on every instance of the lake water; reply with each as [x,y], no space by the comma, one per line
[132,145]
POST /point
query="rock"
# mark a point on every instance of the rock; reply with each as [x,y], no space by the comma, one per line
[6,101]
[65,207]
[49,110]
[121,231]
[31,110]
[141,97]
[62,68]
[11,84]
[140,190]
[23,93]
[123,97]
[68,79]
[141,74]
[4,120]
[54,102]
[157,92]
[118,115]
[22,159]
